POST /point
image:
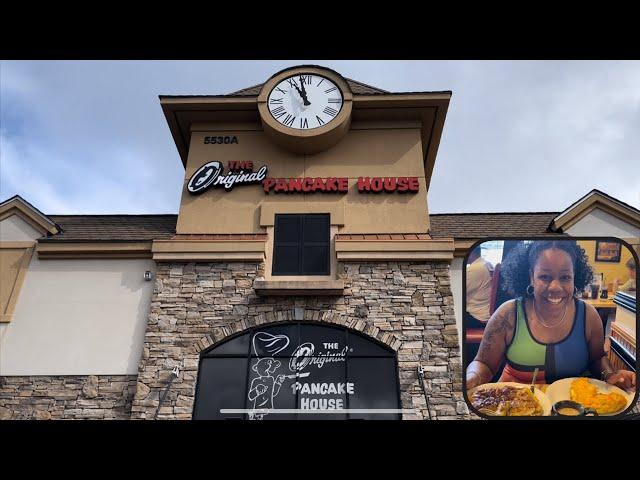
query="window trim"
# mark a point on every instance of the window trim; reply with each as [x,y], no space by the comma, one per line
[26,248]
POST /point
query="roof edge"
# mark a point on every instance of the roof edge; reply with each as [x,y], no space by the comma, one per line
[29,213]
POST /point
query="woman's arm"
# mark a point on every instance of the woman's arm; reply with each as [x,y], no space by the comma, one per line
[493,346]
[600,365]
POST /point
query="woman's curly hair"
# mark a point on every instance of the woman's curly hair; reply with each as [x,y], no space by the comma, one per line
[515,269]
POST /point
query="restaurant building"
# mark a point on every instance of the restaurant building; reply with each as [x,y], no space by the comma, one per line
[302,272]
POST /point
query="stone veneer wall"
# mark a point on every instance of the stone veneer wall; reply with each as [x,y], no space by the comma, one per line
[407,305]
[66,397]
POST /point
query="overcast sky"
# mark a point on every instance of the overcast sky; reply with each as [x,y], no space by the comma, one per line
[90,137]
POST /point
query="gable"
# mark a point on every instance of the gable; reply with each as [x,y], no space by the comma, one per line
[601,223]
[593,200]
[16,229]
[17,206]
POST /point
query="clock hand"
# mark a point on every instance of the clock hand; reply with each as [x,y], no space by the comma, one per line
[303,93]
[298,89]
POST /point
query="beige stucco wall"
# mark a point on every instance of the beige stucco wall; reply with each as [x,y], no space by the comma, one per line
[383,151]
[78,317]
[14,229]
[601,223]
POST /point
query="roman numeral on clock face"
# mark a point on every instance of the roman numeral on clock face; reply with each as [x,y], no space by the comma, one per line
[278,112]
[333,100]
[288,120]
[304,123]
[281,90]
[278,101]
[320,122]
[329,90]
[330,111]
[306,79]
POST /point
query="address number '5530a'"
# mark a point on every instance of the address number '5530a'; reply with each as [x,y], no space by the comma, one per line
[219,140]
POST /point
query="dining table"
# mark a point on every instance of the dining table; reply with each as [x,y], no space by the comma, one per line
[599,303]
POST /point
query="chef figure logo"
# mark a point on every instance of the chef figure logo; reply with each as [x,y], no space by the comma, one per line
[266,386]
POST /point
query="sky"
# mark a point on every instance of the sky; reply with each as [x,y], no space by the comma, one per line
[89,137]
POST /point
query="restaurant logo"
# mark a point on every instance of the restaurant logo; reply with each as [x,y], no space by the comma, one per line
[266,386]
[211,175]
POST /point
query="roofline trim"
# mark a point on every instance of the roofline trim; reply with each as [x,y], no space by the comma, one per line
[29,213]
[589,202]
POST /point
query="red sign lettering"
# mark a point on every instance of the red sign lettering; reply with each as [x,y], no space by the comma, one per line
[388,184]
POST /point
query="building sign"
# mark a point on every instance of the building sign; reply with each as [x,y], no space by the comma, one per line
[241,173]
[294,370]
[211,175]
[305,185]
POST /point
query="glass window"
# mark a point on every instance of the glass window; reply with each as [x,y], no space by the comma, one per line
[220,385]
[281,371]
[301,245]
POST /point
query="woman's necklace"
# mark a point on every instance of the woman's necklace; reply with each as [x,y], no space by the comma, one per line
[541,318]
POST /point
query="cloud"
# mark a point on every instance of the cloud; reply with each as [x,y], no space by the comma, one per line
[18,177]
[90,137]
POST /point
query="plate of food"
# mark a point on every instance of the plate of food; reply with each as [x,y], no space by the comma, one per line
[604,398]
[509,399]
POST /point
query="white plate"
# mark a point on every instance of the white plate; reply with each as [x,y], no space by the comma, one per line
[540,395]
[561,390]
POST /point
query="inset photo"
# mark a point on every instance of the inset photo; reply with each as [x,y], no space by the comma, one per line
[550,327]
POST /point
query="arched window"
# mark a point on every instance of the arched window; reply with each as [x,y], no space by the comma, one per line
[283,371]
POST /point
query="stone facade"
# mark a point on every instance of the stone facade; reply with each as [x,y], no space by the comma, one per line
[67,397]
[408,306]
[405,305]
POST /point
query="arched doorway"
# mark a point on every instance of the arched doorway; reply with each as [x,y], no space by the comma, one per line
[289,369]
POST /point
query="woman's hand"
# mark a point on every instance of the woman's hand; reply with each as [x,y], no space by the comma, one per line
[623,379]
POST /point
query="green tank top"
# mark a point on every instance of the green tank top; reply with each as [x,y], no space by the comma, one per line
[568,357]
[524,350]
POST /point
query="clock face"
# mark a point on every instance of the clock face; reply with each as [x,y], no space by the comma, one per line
[305,101]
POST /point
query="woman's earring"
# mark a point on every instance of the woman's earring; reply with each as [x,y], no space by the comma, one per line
[530,293]
[576,292]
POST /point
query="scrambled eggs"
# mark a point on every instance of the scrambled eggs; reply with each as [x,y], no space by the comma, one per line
[587,394]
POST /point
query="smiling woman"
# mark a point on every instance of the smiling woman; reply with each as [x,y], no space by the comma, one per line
[545,333]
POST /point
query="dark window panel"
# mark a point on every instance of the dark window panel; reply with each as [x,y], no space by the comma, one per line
[235,346]
[316,228]
[286,260]
[375,386]
[221,384]
[315,260]
[288,228]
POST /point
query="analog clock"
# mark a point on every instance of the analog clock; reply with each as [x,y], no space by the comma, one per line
[306,109]
[305,101]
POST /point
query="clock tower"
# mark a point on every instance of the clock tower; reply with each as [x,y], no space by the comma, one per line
[303,241]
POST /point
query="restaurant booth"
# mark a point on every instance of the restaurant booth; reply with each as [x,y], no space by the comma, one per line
[302,276]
